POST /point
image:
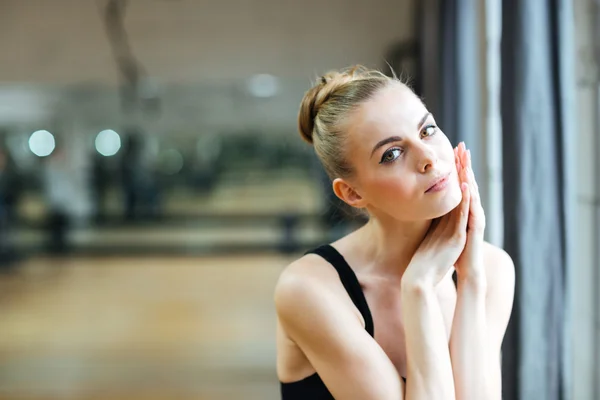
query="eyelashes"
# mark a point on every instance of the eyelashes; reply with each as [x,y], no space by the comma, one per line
[394,153]
[430,130]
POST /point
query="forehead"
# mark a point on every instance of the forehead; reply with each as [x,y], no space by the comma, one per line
[394,111]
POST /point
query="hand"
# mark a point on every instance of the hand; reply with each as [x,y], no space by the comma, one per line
[470,262]
[442,245]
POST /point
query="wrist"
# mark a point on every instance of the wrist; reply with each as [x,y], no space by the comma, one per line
[470,266]
[422,273]
[474,279]
[417,283]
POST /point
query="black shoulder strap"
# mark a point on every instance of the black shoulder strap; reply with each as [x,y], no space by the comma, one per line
[349,280]
[455,279]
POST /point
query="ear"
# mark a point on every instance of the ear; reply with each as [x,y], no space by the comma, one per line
[348,194]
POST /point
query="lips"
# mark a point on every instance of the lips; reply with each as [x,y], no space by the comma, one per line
[438,182]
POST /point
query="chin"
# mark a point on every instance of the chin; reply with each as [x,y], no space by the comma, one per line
[426,207]
[446,201]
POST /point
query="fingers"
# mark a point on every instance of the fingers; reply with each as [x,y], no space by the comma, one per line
[463,156]
[470,174]
[466,168]
[461,153]
[457,161]
[463,208]
[457,228]
[461,180]
[476,214]
[468,187]
[471,179]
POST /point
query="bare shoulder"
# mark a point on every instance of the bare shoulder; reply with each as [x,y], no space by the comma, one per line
[309,267]
[305,276]
[499,264]
[306,287]
[500,272]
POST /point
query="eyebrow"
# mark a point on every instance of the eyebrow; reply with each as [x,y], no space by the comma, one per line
[392,139]
[423,120]
[384,142]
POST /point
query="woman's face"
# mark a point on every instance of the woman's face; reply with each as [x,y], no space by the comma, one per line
[399,154]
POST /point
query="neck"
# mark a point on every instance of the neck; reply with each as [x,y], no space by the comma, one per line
[390,245]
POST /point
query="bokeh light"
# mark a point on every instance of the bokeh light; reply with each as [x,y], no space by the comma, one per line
[42,143]
[263,85]
[108,142]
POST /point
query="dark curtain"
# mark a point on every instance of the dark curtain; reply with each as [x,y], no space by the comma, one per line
[429,36]
[537,123]
[460,86]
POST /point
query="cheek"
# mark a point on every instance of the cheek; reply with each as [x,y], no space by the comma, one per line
[444,147]
[392,188]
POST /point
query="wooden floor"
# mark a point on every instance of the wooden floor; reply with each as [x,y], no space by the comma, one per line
[133,328]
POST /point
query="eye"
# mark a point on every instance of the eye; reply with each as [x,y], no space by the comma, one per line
[391,155]
[429,130]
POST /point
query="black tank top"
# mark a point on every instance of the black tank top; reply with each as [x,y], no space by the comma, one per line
[312,387]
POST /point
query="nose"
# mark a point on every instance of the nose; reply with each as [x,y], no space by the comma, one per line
[427,158]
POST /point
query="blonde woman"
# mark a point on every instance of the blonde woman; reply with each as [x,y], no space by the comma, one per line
[376,315]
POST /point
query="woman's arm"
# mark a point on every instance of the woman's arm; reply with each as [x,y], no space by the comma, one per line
[349,361]
[483,309]
[500,272]
[484,302]
[428,359]
[468,340]
[322,323]
[468,337]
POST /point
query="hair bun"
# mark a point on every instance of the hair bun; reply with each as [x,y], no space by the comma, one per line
[320,93]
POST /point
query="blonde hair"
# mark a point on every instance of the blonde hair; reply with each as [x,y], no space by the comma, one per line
[325,106]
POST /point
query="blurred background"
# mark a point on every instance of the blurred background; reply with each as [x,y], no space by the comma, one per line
[153,184]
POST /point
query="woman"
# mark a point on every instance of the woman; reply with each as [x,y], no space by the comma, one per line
[376,314]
